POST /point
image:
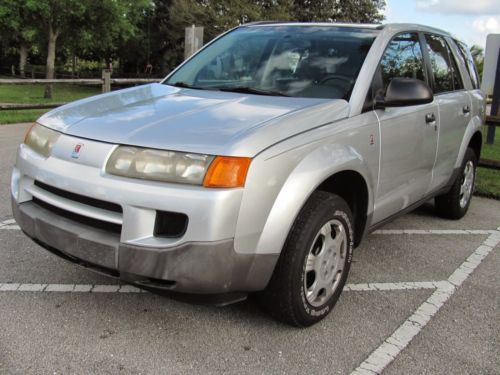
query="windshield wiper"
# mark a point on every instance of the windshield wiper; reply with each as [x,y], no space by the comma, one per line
[251,90]
[240,89]
[185,85]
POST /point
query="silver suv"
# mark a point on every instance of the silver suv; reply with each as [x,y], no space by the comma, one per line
[258,164]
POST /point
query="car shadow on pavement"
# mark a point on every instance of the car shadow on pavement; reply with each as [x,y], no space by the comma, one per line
[427,209]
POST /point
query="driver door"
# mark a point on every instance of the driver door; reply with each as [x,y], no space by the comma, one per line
[408,134]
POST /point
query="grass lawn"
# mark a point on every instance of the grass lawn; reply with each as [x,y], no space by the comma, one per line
[488,180]
[61,93]
[27,115]
[491,151]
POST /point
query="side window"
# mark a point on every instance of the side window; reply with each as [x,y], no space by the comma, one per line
[469,63]
[402,58]
[458,83]
[444,68]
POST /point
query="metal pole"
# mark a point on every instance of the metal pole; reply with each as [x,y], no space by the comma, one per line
[495,104]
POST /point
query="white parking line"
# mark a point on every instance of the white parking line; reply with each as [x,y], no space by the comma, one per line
[10,227]
[434,231]
[370,287]
[9,224]
[111,288]
[381,357]
[69,288]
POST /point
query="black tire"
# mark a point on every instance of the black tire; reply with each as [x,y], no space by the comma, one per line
[285,297]
[449,205]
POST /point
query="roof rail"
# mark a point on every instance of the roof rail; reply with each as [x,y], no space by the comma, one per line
[338,24]
[262,23]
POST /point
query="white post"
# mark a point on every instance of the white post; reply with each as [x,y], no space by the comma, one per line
[106,80]
[193,40]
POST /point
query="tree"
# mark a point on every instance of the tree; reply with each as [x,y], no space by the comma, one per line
[218,16]
[111,30]
[478,55]
[97,25]
[139,32]
[16,29]
[56,17]
[359,11]
[161,37]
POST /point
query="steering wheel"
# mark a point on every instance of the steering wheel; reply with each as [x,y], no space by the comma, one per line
[337,77]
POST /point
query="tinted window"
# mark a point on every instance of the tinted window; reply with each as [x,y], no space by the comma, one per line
[444,69]
[457,78]
[303,61]
[469,63]
[402,58]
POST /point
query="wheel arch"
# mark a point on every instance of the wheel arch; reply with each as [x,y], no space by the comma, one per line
[351,186]
[311,175]
[476,143]
[472,138]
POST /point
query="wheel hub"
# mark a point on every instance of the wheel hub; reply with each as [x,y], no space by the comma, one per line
[467,184]
[325,262]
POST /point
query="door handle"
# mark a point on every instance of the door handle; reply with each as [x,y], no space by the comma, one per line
[466,110]
[430,118]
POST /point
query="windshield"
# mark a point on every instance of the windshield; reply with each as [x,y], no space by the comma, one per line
[299,61]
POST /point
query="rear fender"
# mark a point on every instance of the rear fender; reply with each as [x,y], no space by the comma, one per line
[474,125]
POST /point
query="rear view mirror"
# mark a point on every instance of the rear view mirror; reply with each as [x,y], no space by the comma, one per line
[405,92]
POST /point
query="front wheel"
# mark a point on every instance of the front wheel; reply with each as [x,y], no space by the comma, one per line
[455,203]
[314,263]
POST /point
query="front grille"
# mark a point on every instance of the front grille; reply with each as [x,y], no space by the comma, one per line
[85,220]
[80,198]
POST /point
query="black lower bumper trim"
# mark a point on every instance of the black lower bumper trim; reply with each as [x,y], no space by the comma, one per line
[197,268]
[70,258]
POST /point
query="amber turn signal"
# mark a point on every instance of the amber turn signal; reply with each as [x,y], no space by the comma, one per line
[227,172]
[28,132]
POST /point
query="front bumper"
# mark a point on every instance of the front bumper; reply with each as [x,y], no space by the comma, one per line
[108,223]
[197,268]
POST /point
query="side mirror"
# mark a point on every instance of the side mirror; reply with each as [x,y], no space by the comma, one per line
[403,92]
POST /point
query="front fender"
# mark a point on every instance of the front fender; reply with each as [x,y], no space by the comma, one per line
[270,206]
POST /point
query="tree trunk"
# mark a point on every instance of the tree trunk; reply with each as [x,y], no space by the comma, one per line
[51,59]
[73,66]
[23,58]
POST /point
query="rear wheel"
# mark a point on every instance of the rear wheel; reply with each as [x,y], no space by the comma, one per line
[313,264]
[455,203]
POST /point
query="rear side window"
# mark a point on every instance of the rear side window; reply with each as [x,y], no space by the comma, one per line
[402,58]
[444,68]
[469,63]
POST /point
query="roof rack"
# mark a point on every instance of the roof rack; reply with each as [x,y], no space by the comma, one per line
[262,23]
[295,23]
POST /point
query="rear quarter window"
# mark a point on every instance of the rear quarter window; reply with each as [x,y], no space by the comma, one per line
[468,61]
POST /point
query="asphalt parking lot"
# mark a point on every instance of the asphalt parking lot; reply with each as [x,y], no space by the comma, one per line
[422,297]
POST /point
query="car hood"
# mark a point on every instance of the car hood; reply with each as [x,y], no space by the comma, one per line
[202,121]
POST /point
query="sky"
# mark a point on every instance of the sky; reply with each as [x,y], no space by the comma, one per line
[469,20]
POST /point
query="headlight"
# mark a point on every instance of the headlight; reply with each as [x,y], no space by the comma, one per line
[158,165]
[171,166]
[41,139]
